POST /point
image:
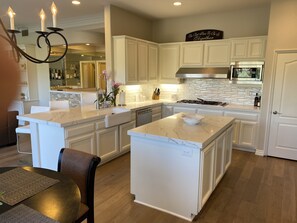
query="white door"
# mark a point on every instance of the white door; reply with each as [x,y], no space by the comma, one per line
[283,126]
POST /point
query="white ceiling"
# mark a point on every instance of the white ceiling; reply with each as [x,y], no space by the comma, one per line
[27,11]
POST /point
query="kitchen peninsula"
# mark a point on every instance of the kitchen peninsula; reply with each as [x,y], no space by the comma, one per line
[82,128]
[176,166]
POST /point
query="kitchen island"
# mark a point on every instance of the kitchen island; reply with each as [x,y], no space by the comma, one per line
[176,166]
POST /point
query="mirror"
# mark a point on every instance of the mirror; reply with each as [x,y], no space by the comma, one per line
[82,67]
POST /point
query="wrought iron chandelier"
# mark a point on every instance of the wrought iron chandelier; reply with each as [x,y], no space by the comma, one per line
[10,37]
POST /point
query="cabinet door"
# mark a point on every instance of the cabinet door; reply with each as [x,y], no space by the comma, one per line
[247,133]
[219,159]
[256,48]
[236,129]
[217,53]
[107,143]
[206,173]
[228,148]
[168,62]
[142,62]
[167,111]
[124,137]
[84,143]
[184,109]
[131,61]
[191,54]
[239,49]
[153,62]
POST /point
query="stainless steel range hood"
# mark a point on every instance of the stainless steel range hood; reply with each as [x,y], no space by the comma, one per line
[203,72]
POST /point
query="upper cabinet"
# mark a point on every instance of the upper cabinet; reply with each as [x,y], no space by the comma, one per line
[191,54]
[214,53]
[169,54]
[250,48]
[217,53]
[135,61]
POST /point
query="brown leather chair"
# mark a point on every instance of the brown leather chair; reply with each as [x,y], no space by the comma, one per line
[81,167]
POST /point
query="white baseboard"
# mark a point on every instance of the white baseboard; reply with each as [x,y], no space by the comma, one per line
[259,152]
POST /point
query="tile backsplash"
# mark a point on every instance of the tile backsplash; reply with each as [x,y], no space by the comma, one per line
[208,89]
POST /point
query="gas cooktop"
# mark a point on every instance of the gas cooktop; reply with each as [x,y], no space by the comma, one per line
[203,102]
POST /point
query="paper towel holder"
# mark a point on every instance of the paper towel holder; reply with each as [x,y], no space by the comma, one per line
[122,98]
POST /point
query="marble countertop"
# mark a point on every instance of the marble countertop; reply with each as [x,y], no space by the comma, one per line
[234,107]
[72,116]
[174,130]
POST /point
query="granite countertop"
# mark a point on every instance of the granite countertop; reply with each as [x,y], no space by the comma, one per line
[174,130]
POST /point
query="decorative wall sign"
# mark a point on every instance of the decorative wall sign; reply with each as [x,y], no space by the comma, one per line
[205,34]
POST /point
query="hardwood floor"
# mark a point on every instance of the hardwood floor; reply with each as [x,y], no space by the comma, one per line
[254,189]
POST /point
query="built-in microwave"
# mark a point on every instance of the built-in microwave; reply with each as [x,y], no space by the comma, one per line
[246,71]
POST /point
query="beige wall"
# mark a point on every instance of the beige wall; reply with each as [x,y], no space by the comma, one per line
[282,34]
[126,23]
[239,23]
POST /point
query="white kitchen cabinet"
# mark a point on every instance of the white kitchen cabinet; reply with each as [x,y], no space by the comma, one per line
[217,53]
[248,48]
[142,61]
[219,159]
[247,133]
[153,58]
[228,148]
[124,138]
[167,110]
[81,137]
[135,60]
[206,173]
[107,143]
[191,54]
[169,58]
[245,129]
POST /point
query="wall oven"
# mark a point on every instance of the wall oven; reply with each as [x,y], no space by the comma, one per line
[246,71]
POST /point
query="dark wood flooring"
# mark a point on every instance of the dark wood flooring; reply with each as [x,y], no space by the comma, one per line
[254,189]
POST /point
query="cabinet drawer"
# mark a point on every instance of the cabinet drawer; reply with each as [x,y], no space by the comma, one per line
[79,130]
[156,110]
[242,116]
[210,112]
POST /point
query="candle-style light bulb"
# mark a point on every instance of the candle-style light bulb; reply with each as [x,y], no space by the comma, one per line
[42,18]
[11,14]
[54,12]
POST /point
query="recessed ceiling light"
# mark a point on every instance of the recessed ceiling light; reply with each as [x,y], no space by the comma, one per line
[177,3]
[76,2]
[82,55]
[87,44]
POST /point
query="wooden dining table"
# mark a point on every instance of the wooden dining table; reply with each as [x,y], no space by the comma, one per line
[60,202]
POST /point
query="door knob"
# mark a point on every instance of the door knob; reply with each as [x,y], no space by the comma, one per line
[275,113]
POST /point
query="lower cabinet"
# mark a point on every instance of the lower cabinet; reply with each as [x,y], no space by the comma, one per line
[215,160]
[84,143]
[124,137]
[107,143]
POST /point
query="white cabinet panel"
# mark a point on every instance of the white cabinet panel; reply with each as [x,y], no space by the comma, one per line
[248,48]
[219,158]
[168,62]
[191,54]
[142,62]
[153,62]
[206,173]
[210,112]
[84,143]
[217,53]
[124,137]
[131,57]
[247,133]
[184,109]
[228,148]
[167,111]
[107,143]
